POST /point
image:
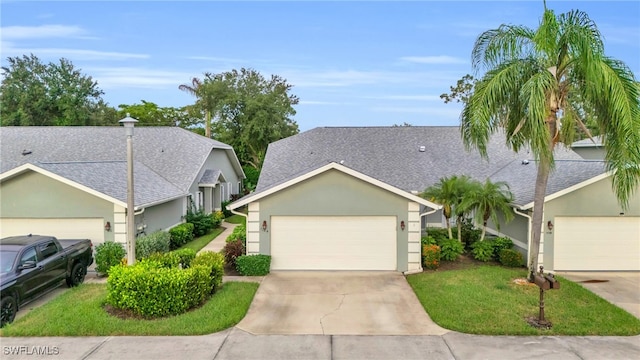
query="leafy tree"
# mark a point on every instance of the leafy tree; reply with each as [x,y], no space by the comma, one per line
[538,86]
[462,91]
[150,114]
[251,111]
[37,94]
[488,200]
[204,102]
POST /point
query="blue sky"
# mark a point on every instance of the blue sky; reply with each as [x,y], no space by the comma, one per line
[352,63]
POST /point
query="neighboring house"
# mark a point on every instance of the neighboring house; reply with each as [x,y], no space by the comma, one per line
[589,148]
[71,182]
[336,199]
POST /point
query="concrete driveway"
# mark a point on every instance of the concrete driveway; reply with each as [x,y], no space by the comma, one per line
[337,303]
[619,288]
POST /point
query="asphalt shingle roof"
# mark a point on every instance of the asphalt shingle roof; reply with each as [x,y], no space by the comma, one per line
[210,177]
[392,155]
[171,157]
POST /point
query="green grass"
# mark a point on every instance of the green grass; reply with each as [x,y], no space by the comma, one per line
[236,219]
[484,300]
[198,243]
[79,312]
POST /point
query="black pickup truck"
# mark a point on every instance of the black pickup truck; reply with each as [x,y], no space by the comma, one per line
[34,264]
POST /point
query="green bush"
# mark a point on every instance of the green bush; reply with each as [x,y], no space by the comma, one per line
[108,254]
[217,218]
[157,242]
[431,256]
[483,250]
[511,258]
[214,262]
[428,240]
[225,211]
[232,250]
[178,258]
[500,244]
[186,256]
[181,235]
[251,181]
[238,233]
[450,249]
[202,223]
[439,234]
[253,265]
[469,233]
[151,290]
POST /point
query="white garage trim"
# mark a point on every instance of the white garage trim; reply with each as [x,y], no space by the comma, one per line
[62,228]
[596,243]
[333,242]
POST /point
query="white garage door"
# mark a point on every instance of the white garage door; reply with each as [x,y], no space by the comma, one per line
[598,243]
[333,243]
[64,228]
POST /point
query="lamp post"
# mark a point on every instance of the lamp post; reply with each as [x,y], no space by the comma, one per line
[128,124]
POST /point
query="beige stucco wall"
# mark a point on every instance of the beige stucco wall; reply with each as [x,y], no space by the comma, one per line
[334,193]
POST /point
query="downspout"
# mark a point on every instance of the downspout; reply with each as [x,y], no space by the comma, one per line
[425,214]
[529,225]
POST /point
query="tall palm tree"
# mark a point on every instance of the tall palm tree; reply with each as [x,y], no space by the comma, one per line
[463,186]
[196,89]
[488,200]
[538,88]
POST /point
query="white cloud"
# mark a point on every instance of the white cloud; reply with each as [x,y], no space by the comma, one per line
[441,59]
[407,97]
[40,32]
[73,54]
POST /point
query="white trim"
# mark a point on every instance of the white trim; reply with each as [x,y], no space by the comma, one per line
[568,190]
[22,169]
[515,242]
[333,166]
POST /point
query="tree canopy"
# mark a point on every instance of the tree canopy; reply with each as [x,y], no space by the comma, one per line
[540,85]
[150,114]
[33,93]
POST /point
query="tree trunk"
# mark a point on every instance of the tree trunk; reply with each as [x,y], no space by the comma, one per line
[484,231]
[459,223]
[538,208]
[207,124]
[449,229]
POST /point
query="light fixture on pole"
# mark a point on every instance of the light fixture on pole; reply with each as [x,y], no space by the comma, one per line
[128,124]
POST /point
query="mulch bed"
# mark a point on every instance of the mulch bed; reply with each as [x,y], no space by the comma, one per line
[464,262]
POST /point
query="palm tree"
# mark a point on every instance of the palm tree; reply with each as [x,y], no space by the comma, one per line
[488,200]
[463,186]
[449,193]
[540,85]
[196,89]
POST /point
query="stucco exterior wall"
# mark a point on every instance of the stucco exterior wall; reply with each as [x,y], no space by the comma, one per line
[590,153]
[161,217]
[596,199]
[33,195]
[334,193]
[218,159]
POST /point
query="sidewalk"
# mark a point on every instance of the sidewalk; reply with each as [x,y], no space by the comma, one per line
[218,243]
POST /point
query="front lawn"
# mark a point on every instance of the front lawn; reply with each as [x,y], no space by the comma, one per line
[80,312]
[236,219]
[485,300]
[198,243]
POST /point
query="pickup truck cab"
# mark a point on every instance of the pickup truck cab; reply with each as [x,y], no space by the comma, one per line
[32,265]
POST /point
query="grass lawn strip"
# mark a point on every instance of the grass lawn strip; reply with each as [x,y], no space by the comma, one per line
[485,300]
[198,243]
[236,219]
[80,312]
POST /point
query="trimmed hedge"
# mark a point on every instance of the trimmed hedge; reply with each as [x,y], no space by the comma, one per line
[450,249]
[151,290]
[500,244]
[157,242]
[181,235]
[253,265]
[179,258]
[483,250]
[431,256]
[214,262]
[238,233]
[202,223]
[108,254]
[511,258]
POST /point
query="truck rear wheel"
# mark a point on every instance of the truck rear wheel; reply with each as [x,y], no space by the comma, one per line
[77,275]
[8,309]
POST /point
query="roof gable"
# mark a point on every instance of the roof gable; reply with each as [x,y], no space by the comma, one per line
[322,169]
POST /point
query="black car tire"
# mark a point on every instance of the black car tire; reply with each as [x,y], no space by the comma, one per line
[8,309]
[77,275]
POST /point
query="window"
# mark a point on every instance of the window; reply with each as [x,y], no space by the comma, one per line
[47,249]
[29,255]
[200,200]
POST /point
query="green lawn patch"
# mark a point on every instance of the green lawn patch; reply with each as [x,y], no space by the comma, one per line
[198,243]
[80,312]
[485,300]
[236,219]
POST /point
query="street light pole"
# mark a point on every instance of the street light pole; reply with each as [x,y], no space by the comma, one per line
[128,123]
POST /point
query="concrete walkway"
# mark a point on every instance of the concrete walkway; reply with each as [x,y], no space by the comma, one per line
[217,244]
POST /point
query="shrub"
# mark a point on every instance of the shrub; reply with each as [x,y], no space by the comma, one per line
[232,250]
[214,262]
[510,257]
[202,223]
[159,241]
[181,235]
[450,249]
[252,175]
[439,234]
[238,233]
[179,258]
[186,257]
[428,240]
[217,217]
[500,244]
[226,212]
[469,233]
[253,265]
[151,290]
[482,250]
[431,256]
[108,254]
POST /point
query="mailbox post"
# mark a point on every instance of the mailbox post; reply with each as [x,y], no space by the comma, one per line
[544,282]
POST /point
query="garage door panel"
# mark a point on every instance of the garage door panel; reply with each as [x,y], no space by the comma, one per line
[333,243]
[63,228]
[597,244]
